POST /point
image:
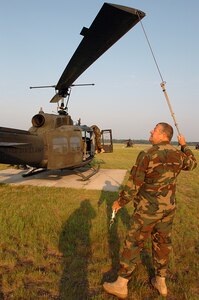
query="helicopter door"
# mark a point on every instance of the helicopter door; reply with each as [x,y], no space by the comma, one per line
[107,142]
[64,150]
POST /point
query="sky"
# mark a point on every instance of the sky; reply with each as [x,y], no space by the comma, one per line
[38,38]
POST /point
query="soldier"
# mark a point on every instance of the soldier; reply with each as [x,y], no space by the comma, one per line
[152,185]
[129,143]
[98,145]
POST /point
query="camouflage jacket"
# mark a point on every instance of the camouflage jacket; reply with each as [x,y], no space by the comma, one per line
[153,177]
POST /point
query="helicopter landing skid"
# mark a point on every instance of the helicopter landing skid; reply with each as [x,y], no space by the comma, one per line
[92,171]
[33,171]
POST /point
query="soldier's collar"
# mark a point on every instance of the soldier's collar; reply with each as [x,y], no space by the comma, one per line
[163,143]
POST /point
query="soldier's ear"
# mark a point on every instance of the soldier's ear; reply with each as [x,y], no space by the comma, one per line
[165,136]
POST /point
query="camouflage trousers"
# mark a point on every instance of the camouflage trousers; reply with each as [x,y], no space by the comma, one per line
[98,145]
[143,225]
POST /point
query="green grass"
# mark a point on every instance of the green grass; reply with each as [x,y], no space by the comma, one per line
[56,242]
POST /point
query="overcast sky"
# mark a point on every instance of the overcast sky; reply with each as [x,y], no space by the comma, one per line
[39,37]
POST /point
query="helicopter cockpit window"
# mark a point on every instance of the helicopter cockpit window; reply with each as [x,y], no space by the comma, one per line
[60,145]
[86,134]
[75,144]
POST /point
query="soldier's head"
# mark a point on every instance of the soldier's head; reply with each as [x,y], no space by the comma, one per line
[162,132]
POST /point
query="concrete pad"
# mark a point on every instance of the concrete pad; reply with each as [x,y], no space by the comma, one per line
[105,179]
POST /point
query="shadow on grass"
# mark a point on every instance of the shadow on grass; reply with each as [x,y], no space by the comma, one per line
[113,238]
[75,245]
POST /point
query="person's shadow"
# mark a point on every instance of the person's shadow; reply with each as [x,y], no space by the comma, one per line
[75,245]
[113,239]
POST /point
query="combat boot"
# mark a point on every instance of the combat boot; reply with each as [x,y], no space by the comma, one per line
[160,284]
[117,288]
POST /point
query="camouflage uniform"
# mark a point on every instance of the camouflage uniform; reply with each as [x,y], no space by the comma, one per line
[152,186]
[97,133]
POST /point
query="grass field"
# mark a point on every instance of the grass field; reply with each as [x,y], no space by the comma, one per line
[56,242]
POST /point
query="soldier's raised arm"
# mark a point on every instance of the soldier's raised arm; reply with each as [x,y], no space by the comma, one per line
[189,162]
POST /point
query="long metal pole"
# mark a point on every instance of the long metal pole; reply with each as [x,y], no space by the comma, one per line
[163,82]
[169,104]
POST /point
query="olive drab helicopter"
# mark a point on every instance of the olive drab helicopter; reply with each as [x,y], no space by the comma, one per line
[54,141]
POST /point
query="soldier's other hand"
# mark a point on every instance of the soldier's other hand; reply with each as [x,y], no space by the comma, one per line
[181,140]
[116,206]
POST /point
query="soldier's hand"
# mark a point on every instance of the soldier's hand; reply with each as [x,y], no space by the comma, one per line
[116,206]
[181,140]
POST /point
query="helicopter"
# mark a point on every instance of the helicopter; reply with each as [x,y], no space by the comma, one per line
[54,141]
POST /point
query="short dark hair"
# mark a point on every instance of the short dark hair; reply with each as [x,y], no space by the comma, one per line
[167,129]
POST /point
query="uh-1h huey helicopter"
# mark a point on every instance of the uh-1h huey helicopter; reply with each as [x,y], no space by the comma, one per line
[53,141]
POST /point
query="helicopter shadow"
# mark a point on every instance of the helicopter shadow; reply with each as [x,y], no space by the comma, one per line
[108,198]
[15,176]
[75,245]
[11,176]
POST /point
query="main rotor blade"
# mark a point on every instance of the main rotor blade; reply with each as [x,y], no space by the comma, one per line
[111,23]
[56,98]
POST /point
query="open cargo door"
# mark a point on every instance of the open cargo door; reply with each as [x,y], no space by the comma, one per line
[106,138]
